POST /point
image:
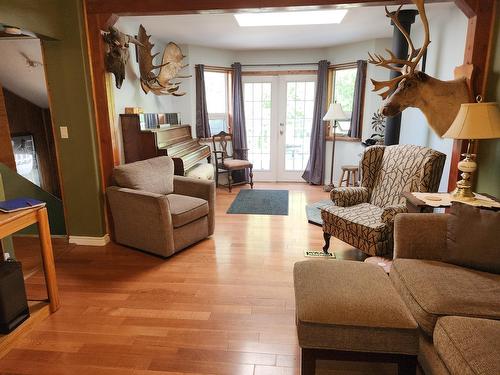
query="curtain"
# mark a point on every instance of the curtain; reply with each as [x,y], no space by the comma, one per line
[314,173]
[357,106]
[202,124]
[239,128]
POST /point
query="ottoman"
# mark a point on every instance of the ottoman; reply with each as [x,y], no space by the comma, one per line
[350,311]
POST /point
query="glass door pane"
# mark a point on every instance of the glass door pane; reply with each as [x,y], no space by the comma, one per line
[257,99]
[298,123]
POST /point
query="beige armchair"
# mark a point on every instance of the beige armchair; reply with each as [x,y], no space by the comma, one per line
[364,216]
[157,212]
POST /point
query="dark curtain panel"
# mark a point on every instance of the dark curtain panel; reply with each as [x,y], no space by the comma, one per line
[315,170]
[239,128]
[202,124]
[357,106]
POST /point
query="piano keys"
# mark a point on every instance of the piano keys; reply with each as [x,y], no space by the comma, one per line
[176,141]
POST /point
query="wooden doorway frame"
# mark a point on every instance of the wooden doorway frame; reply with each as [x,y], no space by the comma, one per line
[101,14]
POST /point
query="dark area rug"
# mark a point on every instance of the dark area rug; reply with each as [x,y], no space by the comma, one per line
[260,202]
[313,211]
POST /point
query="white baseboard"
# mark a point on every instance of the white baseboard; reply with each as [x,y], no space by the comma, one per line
[89,241]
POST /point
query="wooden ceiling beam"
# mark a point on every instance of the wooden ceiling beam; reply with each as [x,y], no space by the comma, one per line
[162,7]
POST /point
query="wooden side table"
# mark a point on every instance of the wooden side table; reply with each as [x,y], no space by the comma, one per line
[15,221]
[416,205]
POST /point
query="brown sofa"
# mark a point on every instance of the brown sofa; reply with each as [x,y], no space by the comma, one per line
[157,212]
[456,307]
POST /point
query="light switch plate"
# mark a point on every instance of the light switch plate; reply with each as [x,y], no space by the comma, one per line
[64,132]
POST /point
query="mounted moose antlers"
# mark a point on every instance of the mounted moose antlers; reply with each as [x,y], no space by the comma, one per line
[117,53]
[159,83]
[439,100]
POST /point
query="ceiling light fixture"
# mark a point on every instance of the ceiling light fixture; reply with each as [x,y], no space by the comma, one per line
[316,17]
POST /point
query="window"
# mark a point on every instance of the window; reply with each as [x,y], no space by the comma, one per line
[216,90]
[342,83]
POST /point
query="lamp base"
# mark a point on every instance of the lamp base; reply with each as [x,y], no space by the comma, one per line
[467,166]
[463,192]
[328,187]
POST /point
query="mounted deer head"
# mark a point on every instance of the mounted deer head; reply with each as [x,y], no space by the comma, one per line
[117,53]
[160,83]
[438,100]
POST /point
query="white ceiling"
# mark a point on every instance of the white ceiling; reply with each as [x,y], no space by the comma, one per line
[17,76]
[222,30]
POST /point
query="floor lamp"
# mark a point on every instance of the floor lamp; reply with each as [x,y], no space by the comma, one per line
[334,114]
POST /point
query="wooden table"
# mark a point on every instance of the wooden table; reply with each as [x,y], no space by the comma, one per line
[416,205]
[15,221]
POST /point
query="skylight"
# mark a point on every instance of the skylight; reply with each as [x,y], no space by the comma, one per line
[316,17]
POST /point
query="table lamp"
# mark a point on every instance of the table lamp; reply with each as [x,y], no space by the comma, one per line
[474,121]
[334,114]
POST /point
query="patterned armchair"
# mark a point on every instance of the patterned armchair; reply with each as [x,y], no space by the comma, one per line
[364,216]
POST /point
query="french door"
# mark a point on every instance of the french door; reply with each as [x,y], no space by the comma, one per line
[278,116]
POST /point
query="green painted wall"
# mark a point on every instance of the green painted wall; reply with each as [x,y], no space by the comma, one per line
[70,89]
[41,17]
[488,178]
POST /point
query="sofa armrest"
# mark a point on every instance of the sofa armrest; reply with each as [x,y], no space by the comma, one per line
[349,196]
[203,189]
[420,236]
[141,219]
[390,212]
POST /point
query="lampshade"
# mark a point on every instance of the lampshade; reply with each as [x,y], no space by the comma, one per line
[335,112]
[475,121]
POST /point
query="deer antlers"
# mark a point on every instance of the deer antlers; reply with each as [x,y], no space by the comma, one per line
[404,66]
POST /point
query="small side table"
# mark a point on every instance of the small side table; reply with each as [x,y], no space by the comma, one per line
[352,175]
[416,205]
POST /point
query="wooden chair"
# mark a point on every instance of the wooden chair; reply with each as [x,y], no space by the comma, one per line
[227,163]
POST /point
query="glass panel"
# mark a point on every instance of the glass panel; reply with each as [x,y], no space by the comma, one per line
[257,100]
[25,157]
[217,125]
[215,91]
[343,93]
[299,113]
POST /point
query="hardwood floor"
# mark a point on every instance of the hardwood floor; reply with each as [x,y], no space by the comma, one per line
[223,306]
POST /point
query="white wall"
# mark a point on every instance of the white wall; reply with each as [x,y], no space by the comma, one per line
[446,51]
[346,152]
[15,74]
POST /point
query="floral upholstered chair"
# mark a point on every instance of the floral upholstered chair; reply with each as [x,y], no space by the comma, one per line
[364,216]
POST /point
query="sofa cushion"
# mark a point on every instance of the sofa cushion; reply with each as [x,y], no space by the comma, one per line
[185,209]
[362,220]
[154,175]
[468,346]
[432,289]
[351,306]
[472,238]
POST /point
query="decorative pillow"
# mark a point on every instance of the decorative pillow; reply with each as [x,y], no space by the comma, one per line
[154,175]
[473,238]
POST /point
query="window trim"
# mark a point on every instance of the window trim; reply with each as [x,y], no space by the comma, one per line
[330,86]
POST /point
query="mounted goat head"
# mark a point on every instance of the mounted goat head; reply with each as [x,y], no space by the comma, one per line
[438,100]
[117,53]
[160,83]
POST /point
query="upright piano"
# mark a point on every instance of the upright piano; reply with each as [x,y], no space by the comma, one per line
[142,141]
